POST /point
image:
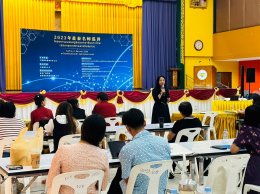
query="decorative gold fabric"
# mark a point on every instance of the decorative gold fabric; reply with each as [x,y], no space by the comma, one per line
[129,3]
[223,121]
[32,14]
[222,105]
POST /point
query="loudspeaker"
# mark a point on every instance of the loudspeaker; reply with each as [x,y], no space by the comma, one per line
[250,75]
[242,81]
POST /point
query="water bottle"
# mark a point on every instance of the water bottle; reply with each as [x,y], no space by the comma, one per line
[208,190]
[225,136]
[171,191]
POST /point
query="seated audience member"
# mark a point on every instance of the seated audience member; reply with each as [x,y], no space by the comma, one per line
[78,113]
[188,121]
[256,102]
[249,138]
[63,124]
[1,107]
[40,113]
[85,155]
[103,107]
[144,147]
[9,125]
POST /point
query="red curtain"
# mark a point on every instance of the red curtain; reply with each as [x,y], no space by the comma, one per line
[176,95]
[133,96]
[227,92]
[201,94]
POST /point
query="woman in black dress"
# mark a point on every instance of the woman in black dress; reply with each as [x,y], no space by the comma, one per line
[161,97]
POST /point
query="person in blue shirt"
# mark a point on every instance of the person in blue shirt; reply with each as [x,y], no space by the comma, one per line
[144,147]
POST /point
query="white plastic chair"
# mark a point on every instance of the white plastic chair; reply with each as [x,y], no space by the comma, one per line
[249,187]
[36,126]
[226,173]
[191,133]
[211,116]
[77,181]
[112,121]
[69,139]
[5,142]
[153,170]
[122,131]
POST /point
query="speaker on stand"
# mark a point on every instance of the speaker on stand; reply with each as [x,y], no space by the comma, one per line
[250,77]
[242,81]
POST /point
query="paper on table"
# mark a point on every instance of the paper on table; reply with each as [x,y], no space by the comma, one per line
[179,150]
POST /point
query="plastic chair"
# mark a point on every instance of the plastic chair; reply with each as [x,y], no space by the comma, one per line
[226,173]
[153,170]
[5,142]
[191,133]
[78,181]
[122,132]
[112,121]
[211,116]
[69,139]
[249,187]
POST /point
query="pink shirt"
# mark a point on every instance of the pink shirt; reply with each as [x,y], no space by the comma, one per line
[76,157]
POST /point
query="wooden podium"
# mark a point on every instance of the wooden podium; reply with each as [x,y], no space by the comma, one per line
[175,77]
[205,77]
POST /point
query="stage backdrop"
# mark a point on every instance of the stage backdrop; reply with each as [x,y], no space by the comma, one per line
[65,61]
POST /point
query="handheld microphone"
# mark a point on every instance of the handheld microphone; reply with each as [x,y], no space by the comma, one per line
[163,90]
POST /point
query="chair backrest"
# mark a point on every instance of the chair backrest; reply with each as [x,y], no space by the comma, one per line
[153,170]
[69,139]
[36,126]
[190,133]
[112,121]
[5,142]
[249,187]
[211,115]
[226,173]
[78,180]
[122,132]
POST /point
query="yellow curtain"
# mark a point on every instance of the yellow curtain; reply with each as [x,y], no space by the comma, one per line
[130,3]
[106,18]
[32,14]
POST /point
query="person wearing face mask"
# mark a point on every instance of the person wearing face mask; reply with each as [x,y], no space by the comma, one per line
[161,97]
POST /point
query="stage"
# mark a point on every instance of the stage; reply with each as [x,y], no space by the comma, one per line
[201,100]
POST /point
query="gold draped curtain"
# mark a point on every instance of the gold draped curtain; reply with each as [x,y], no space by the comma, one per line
[107,17]
[129,3]
[32,14]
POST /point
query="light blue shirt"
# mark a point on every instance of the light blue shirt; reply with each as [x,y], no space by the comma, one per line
[145,147]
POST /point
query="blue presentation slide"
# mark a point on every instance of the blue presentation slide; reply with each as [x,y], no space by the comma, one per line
[66,61]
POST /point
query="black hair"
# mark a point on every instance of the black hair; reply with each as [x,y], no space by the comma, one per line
[256,99]
[185,108]
[252,116]
[9,110]
[74,102]
[1,107]
[65,108]
[93,129]
[38,99]
[133,118]
[102,96]
[157,85]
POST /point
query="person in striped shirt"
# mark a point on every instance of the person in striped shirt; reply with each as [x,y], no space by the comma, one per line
[9,125]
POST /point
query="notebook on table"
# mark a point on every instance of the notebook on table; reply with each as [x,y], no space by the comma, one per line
[115,148]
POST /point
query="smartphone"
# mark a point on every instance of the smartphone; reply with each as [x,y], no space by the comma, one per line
[14,167]
[220,147]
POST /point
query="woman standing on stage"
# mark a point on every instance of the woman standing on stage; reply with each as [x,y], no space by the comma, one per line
[161,97]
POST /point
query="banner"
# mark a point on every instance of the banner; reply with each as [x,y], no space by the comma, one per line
[65,61]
